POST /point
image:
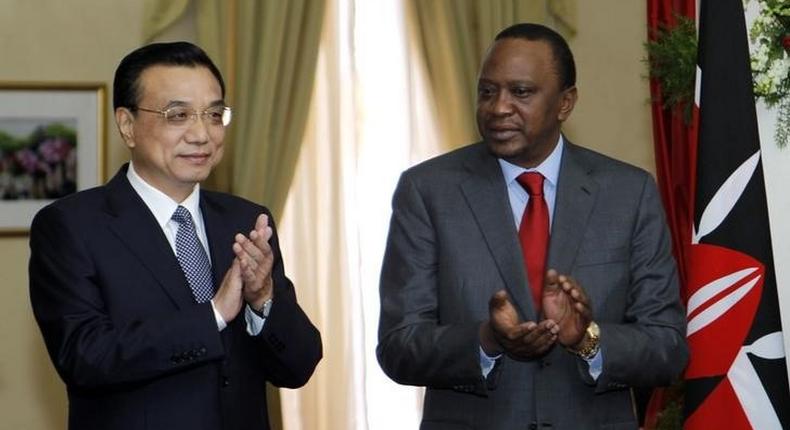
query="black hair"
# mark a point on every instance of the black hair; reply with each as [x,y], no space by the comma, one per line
[126,85]
[563,56]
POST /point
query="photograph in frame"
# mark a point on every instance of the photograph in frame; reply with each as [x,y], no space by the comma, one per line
[52,144]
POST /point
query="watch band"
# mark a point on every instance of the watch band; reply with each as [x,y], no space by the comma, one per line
[263,312]
[591,345]
[267,307]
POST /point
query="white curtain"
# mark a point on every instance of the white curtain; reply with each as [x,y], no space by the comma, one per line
[370,119]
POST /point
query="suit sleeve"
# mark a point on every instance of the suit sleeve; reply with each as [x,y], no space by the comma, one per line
[291,343]
[88,348]
[649,347]
[415,346]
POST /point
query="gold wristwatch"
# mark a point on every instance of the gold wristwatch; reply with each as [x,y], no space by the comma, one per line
[590,347]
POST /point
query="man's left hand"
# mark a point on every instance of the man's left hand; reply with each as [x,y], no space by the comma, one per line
[565,302]
[256,259]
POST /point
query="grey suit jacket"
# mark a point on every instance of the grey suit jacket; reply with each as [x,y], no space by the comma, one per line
[453,243]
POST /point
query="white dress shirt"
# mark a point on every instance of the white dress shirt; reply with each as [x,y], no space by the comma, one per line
[163,207]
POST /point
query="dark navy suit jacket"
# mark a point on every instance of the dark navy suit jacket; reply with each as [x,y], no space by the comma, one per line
[125,333]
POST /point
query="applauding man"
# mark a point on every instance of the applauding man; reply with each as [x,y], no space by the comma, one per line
[162,305]
[528,282]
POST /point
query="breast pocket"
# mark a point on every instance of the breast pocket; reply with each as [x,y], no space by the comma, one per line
[604,276]
[594,257]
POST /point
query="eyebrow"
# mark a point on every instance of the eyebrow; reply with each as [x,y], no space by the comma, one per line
[510,82]
[174,103]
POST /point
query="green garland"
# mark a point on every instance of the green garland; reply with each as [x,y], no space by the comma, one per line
[672,60]
[671,417]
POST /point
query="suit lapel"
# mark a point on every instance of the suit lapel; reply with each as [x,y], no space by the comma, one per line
[576,195]
[486,194]
[134,225]
[220,237]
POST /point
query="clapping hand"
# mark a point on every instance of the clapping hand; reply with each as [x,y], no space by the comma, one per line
[504,332]
[255,258]
[565,302]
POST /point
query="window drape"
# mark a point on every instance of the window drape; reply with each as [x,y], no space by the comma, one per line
[453,35]
[267,51]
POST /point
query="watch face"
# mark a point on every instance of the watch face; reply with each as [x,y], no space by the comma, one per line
[593,330]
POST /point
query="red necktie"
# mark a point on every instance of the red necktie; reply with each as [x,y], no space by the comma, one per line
[534,233]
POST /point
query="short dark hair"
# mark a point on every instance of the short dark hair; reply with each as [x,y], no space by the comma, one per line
[563,56]
[126,85]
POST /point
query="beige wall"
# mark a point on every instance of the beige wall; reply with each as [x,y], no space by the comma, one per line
[52,41]
[83,40]
[613,113]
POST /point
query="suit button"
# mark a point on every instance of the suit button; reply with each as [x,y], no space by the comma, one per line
[202,350]
[533,426]
[225,381]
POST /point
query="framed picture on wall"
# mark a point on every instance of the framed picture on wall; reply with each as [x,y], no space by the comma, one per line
[52,144]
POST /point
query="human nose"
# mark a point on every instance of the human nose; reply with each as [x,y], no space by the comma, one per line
[501,104]
[197,131]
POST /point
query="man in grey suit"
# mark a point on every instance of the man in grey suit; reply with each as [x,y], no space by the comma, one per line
[457,315]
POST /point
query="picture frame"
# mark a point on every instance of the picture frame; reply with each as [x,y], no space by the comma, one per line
[53,139]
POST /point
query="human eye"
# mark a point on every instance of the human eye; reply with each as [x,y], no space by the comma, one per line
[485,91]
[177,115]
[522,91]
[215,114]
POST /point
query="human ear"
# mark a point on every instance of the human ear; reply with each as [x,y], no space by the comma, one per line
[567,102]
[124,119]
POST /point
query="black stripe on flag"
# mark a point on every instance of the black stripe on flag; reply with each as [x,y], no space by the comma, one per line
[728,136]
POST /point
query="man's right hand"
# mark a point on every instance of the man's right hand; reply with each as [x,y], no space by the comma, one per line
[228,300]
[504,332]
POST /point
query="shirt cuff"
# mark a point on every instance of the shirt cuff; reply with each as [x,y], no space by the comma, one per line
[596,364]
[221,324]
[254,321]
[487,363]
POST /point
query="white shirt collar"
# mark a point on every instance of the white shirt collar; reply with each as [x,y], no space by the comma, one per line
[549,168]
[160,204]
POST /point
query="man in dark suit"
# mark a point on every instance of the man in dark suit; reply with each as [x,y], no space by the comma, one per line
[157,310]
[499,341]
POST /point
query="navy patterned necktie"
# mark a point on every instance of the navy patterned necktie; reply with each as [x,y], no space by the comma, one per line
[192,256]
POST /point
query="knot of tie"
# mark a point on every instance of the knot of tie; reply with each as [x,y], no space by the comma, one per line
[532,182]
[182,216]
